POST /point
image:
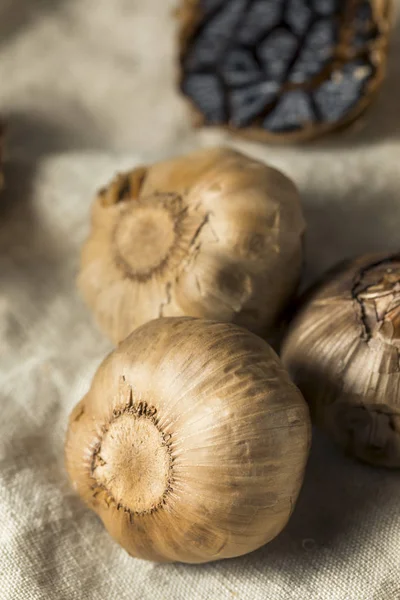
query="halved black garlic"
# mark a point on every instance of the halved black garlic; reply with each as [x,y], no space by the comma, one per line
[278,69]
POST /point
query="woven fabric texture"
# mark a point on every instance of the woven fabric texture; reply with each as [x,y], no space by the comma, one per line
[86,87]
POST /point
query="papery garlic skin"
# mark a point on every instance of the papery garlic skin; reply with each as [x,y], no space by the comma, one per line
[214,234]
[191,443]
[343,351]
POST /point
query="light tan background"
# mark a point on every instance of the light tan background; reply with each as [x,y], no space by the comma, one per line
[87,88]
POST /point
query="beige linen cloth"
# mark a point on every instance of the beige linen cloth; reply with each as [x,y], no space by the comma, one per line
[87,89]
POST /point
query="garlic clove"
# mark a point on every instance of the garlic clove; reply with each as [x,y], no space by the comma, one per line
[214,285]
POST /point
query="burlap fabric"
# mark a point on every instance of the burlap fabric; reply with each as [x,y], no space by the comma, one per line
[86,86]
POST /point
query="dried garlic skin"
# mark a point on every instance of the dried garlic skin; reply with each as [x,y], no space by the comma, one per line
[191,443]
[343,351]
[213,234]
[282,70]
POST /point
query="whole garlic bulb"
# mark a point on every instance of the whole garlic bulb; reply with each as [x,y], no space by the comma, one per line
[191,443]
[343,352]
[214,234]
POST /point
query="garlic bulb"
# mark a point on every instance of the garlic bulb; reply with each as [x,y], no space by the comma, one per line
[191,443]
[214,234]
[343,353]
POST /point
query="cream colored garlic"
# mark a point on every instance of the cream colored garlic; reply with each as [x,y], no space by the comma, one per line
[343,351]
[214,234]
[191,443]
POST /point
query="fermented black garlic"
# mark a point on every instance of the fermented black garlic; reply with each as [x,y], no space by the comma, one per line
[282,69]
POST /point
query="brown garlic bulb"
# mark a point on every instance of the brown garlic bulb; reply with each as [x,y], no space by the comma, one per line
[191,443]
[214,234]
[343,352]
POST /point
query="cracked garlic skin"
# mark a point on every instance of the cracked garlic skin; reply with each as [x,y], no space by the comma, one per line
[191,443]
[343,352]
[213,234]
